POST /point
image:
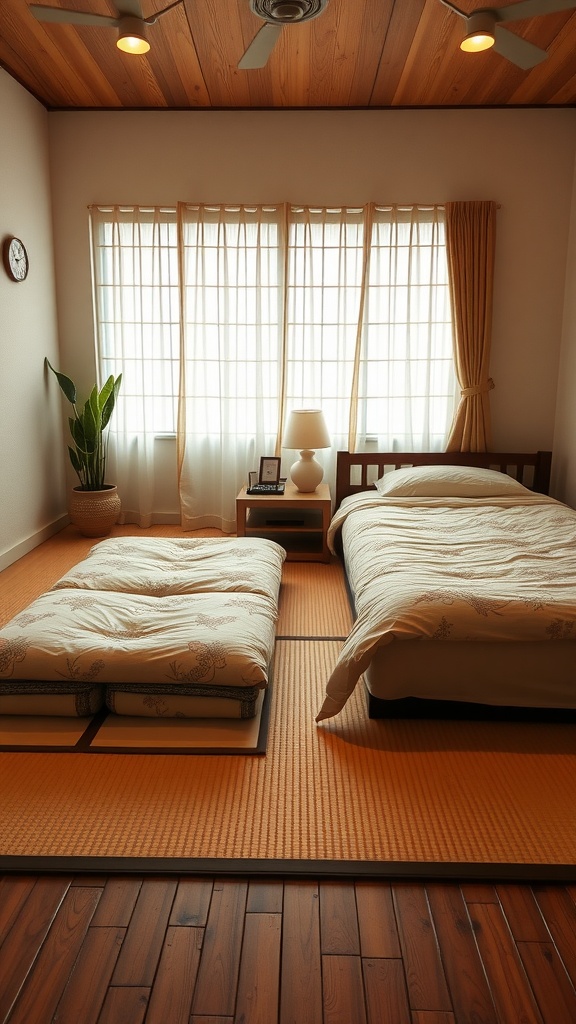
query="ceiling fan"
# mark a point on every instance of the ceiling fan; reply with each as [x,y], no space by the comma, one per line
[276,14]
[483,29]
[129,21]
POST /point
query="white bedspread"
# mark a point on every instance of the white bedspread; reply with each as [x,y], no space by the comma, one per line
[446,569]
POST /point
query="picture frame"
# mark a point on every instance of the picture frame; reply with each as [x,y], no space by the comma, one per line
[252,478]
[269,470]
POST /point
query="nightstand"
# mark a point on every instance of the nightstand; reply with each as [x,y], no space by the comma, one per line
[296,520]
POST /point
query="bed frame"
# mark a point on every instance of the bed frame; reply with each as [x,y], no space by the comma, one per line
[357,471]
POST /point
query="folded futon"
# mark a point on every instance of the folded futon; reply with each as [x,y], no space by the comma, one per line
[148,626]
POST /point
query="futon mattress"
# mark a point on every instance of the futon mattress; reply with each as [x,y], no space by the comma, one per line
[193,616]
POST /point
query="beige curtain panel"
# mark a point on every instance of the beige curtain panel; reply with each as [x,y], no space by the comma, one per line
[470,244]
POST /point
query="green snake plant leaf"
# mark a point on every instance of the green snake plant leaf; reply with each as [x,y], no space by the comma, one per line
[67,385]
[88,457]
[78,435]
[76,463]
[91,420]
[108,397]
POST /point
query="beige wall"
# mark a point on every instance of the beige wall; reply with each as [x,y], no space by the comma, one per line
[32,494]
[523,159]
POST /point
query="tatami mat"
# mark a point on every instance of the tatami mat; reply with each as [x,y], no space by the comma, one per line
[313,601]
[130,733]
[35,731]
[409,798]
[415,793]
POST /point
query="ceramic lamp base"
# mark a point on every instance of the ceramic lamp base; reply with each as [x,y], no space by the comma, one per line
[306,473]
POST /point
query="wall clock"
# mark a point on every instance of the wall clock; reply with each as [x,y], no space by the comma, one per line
[15,259]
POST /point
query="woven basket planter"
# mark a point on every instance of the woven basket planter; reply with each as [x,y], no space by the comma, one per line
[94,513]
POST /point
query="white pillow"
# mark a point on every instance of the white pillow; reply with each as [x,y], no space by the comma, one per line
[447,482]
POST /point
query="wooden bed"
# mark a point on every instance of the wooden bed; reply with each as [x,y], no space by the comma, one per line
[424,664]
[356,471]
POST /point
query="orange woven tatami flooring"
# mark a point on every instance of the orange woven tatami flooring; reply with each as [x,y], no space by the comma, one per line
[350,789]
[417,793]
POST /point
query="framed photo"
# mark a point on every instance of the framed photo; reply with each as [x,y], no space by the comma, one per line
[269,470]
[252,478]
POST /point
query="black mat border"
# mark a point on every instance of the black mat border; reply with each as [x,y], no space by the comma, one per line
[293,869]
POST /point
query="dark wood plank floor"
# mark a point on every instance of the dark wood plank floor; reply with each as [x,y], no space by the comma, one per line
[195,950]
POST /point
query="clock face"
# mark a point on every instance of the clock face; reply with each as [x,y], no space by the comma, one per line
[15,259]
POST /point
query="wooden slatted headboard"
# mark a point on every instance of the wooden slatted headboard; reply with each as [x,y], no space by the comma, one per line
[357,471]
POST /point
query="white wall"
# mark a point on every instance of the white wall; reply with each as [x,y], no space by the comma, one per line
[32,493]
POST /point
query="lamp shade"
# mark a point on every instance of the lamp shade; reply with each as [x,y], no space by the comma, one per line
[306,429]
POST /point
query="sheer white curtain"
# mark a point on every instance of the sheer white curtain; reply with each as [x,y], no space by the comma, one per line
[326,274]
[137,310]
[224,318]
[369,329]
[406,381]
[232,261]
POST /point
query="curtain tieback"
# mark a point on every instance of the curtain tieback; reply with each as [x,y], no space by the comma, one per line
[478,389]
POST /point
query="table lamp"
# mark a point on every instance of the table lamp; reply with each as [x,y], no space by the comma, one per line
[306,432]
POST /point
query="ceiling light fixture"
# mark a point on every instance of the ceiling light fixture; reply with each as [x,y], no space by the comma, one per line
[132,26]
[480,32]
[484,29]
[132,35]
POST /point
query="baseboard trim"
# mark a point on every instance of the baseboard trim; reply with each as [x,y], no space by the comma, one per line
[13,554]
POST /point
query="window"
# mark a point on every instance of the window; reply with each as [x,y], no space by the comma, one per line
[405,368]
[223,318]
[137,301]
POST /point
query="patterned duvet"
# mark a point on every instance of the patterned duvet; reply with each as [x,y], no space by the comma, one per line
[198,614]
[453,569]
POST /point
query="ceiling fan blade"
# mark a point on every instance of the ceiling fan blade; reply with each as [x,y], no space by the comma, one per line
[533,9]
[456,10]
[517,50]
[133,8]
[59,14]
[261,47]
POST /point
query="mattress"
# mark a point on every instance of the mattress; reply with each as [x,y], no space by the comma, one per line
[470,599]
[176,627]
[509,674]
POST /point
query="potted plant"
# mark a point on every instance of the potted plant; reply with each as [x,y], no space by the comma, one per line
[94,504]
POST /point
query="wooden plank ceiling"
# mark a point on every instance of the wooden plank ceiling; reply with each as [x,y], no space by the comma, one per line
[355,54]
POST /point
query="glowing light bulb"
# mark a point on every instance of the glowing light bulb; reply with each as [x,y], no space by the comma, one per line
[132,35]
[480,32]
[477,42]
